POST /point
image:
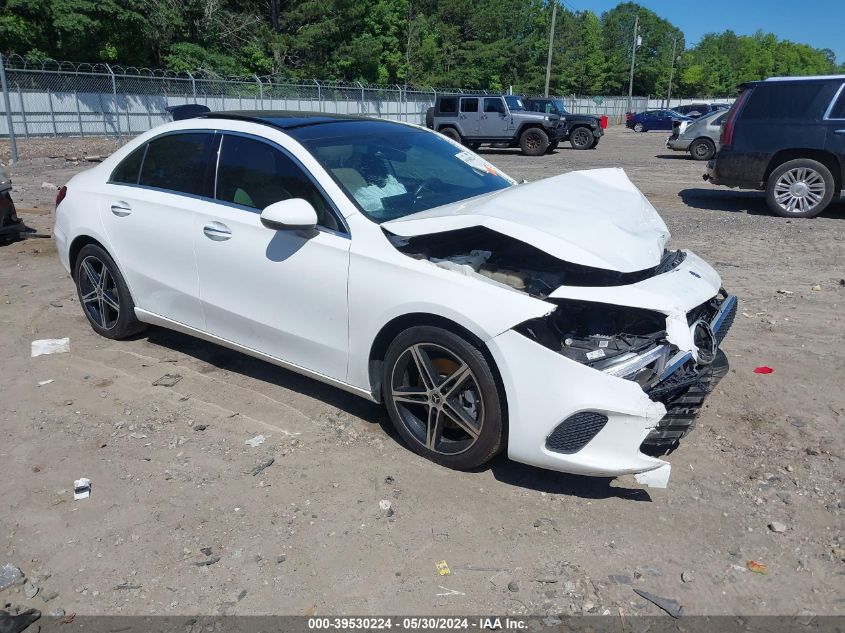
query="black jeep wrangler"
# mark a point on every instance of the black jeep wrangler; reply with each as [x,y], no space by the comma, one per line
[583,131]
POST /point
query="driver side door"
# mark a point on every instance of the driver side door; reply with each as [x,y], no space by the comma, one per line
[280,292]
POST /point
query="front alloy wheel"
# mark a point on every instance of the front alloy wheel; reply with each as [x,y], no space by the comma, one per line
[581,138]
[799,188]
[442,398]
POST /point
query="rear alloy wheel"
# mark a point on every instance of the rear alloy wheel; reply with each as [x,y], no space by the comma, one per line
[581,138]
[104,295]
[442,397]
[639,127]
[799,188]
[534,142]
[451,133]
[702,149]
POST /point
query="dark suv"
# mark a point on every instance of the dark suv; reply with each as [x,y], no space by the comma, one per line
[785,136]
[583,131]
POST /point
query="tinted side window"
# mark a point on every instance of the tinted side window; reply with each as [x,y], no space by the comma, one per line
[494,105]
[449,104]
[254,174]
[469,105]
[127,171]
[775,101]
[838,110]
[177,162]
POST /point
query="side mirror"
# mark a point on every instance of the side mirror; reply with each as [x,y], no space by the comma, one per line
[289,215]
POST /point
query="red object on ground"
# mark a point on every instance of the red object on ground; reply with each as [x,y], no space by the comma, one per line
[763,370]
[603,122]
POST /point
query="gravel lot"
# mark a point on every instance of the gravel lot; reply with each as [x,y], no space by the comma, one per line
[172,475]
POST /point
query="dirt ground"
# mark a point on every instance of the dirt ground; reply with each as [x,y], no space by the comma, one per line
[172,475]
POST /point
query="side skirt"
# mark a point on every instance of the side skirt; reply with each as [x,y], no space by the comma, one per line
[155,319]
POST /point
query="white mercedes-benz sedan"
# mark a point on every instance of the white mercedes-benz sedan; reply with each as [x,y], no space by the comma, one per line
[546,318]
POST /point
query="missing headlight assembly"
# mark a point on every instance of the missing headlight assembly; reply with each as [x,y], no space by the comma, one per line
[620,341]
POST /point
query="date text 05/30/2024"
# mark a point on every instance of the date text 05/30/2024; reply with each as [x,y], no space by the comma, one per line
[418,623]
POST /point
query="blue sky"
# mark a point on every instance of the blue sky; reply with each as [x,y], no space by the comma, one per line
[820,23]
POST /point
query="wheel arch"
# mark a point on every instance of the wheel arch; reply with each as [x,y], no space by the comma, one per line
[84,239]
[528,125]
[399,324]
[826,158]
[78,243]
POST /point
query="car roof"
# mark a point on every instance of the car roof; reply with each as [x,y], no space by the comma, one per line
[286,119]
[794,79]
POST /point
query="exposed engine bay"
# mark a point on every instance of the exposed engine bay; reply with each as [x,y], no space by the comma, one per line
[505,260]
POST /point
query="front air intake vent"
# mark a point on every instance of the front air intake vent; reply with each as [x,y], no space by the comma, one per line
[573,434]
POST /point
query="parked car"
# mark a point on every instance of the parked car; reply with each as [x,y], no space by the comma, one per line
[10,225]
[654,120]
[473,120]
[583,131]
[786,136]
[700,137]
[389,261]
[696,110]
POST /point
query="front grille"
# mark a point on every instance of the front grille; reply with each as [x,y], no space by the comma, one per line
[573,434]
[726,324]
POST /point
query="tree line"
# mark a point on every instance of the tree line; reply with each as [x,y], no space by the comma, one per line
[492,45]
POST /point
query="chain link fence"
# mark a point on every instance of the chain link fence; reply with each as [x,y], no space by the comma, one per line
[51,98]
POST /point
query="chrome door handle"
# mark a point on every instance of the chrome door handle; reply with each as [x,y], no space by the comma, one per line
[217,231]
[121,209]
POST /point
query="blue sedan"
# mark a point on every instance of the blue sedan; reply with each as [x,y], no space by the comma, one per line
[655,120]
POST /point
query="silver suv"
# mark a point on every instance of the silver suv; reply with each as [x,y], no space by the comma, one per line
[474,119]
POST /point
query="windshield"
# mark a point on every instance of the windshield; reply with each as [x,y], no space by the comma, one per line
[561,109]
[514,103]
[392,170]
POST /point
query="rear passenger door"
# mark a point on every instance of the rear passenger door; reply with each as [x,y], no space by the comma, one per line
[280,292]
[835,122]
[469,117]
[148,214]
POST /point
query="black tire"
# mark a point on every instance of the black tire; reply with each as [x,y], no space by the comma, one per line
[553,146]
[534,142]
[445,354]
[595,143]
[702,149]
[807,182]
[639,127]
[581,138]
[429,118]
[452,133]
[91,266]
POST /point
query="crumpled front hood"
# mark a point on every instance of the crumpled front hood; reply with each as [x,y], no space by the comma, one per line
[595,218]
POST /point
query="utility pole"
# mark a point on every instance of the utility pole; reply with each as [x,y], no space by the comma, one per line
[551,43]
[634,45]
[671,73]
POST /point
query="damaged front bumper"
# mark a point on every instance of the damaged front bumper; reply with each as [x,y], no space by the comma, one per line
[612,417]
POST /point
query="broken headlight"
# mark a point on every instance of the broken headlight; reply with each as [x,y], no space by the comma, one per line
[623,342]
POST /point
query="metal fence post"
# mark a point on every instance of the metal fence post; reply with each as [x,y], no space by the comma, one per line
[116,106]
[319,96]
[260,90]
[7,103]
[52,112]
[193,86]
[23,111]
